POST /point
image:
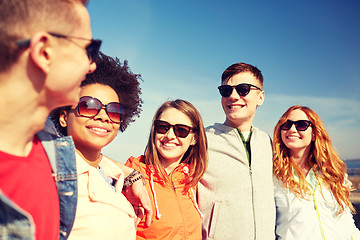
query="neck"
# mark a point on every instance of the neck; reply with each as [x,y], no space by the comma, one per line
[301,157]
[23,119]
[92,157]
[24,110]
[170,165]
[243,126]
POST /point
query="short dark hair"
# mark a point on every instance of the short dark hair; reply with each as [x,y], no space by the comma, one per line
[237,68]
[110,72]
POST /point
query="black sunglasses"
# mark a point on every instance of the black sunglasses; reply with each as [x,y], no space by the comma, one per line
[300,125]
[92,49]
[242,89]
[180,130]
[90,107]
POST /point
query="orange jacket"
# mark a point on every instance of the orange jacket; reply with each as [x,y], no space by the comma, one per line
[176,213]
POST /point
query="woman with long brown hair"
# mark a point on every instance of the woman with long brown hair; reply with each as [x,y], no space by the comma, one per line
[312,201]
[175,159]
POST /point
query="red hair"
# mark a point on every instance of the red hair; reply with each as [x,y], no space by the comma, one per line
[322,157]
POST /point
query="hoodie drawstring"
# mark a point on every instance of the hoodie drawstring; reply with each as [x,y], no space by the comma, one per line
[158,215]
[196,204]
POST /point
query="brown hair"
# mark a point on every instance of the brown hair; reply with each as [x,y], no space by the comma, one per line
[322,157]
[19,19]
[237,68]
[196,156]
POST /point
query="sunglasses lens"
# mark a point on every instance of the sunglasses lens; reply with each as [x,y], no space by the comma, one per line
[88,107]
[115,112]
[287,125]
[93,49]
[161,127]
[242,89]
[225,90]
[302,125]
[181,131]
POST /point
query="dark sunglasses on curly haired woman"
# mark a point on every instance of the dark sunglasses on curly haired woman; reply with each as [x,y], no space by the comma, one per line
[90,107]
[242,89]
[180,130]
[300,125]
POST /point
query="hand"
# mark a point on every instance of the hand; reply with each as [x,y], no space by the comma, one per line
[347,183]
[140,213]
[137,195]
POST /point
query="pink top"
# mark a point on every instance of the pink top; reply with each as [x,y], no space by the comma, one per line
[101,213]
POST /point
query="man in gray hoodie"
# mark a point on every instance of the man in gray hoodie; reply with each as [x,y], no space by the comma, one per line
[236,193]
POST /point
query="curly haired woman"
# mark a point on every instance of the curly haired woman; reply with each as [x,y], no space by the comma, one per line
[109,101]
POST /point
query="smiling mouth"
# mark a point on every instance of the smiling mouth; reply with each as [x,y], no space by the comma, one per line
[168,145]
[235,106]
[292,137]
[101,130]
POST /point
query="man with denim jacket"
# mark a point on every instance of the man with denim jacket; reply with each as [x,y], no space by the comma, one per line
[46,50]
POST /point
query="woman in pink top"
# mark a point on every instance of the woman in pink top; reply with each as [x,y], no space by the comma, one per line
[109,101]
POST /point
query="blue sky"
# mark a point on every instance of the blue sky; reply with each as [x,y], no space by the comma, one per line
[308,52]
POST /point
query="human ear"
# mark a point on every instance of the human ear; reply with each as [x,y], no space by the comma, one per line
[193,141]
[41,51]
[261,98]
[63,118]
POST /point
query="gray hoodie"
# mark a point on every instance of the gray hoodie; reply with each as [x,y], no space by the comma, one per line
[237,200]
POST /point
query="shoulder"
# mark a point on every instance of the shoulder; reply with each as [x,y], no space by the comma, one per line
[111,167]
[137,163]
[49,131]
[220,130]
[260,133]
[277,183]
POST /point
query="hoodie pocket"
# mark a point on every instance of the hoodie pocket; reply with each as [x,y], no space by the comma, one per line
[213,219]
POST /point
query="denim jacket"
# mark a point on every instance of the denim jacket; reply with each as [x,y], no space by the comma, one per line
[15,223]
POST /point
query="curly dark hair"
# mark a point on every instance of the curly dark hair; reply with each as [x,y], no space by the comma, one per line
[109,71]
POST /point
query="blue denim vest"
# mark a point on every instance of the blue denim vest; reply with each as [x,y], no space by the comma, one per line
[15,223]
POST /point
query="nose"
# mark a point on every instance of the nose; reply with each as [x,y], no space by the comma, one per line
[293,128]
[234,94]
[171,134]
[102,115]
[92,67]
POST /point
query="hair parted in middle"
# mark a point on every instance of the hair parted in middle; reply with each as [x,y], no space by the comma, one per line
[195,156]
[322,157]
